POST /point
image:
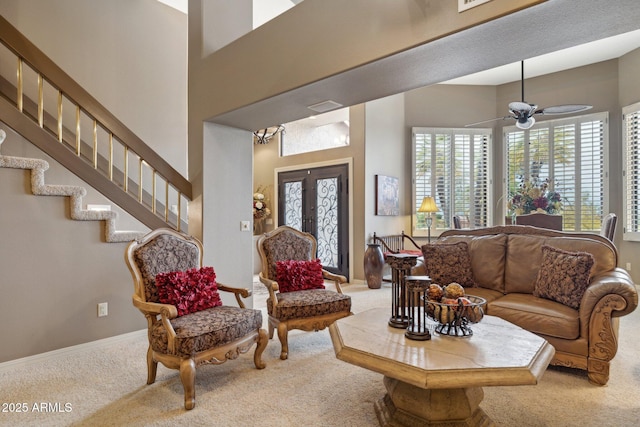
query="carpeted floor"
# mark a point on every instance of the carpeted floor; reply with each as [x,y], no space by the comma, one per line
[106,387]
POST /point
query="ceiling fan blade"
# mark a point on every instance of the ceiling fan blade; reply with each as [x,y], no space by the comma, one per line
[564,109]
[490,120]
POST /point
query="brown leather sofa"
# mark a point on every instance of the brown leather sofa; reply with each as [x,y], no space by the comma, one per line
[505,261]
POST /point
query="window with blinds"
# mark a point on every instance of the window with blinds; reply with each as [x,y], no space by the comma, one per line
[631,151]
[451,165]
[571,154]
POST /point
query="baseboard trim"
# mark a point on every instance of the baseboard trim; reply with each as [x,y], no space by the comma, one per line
[39,358]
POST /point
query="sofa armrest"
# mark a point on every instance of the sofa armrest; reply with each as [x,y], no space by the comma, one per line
[616,282]
[609,296]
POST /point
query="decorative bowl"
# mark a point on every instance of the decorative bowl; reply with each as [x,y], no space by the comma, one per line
[454,319]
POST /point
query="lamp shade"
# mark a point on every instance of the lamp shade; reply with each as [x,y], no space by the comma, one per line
[428,205]
[525,124]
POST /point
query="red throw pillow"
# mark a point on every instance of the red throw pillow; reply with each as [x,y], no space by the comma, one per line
[190,291]
[295,275]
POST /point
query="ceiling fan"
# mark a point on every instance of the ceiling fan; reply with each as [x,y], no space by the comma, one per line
[523,112]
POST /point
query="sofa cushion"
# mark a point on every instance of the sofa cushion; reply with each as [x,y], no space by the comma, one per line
[538,315]
[563,276]
[448,262]
[488,294]
[524,258]
[487,258]
[297,275]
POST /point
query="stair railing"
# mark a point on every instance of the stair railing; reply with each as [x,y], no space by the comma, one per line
[47,107]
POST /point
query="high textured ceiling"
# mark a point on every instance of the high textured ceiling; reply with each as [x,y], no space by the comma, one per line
[539,30]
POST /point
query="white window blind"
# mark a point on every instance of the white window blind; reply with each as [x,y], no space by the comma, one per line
[571,154]
[631,151]
[451,165]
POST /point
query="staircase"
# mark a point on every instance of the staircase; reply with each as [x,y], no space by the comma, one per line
[75,194]
[43,104]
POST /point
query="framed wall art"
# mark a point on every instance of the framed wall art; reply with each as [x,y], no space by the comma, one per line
[387,195]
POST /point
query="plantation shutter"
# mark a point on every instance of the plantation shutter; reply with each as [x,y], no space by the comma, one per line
[571,154]
[564,172]
[591,182]
[631,141]
[451,165]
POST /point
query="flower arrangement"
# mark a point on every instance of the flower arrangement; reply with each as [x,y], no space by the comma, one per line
[260,209]
[532,196]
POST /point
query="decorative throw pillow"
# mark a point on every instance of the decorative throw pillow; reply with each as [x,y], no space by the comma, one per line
[448,262]
[190,291]
[295,275]
[563,276]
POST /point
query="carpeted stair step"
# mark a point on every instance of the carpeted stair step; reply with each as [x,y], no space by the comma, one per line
[75,194]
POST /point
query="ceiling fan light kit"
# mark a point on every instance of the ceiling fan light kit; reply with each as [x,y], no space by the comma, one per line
[523,112]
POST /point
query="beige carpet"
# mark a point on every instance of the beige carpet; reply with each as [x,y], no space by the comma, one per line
[106,387]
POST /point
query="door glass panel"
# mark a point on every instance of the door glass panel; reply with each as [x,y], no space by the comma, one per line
[327,221]
[293,204]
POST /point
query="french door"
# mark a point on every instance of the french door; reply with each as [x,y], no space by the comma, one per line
[316,201]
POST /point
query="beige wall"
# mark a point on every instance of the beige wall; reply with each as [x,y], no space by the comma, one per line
[629,93]
[54,270]
[266,160]
[133,63]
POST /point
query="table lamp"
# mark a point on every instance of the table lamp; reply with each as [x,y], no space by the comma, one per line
[428,206]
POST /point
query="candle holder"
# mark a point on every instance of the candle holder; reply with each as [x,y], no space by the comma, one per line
[417,287]
[400,268]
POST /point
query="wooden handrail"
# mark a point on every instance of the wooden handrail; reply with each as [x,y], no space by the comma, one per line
[48,71]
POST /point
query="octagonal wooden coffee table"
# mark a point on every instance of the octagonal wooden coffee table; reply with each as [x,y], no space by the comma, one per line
[440,380]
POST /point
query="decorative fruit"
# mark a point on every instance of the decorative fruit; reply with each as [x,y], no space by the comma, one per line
[435,292]
[474,313]
[450,301]
[443,313]
[453,290]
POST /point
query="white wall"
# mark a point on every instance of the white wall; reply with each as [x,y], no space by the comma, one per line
[386,153]
[227,200]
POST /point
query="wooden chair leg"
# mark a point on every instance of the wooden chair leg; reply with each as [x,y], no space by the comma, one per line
[284,340]
[152,367]
[270,330]
[188,378]
[263,339]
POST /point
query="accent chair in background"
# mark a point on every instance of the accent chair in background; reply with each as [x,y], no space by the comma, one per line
[295,278]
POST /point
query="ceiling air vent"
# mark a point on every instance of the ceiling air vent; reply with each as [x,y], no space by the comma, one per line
[324,106]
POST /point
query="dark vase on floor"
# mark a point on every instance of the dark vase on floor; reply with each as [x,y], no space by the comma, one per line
[373,265]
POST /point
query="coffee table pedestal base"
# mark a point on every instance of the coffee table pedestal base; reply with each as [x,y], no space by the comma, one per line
[408,405]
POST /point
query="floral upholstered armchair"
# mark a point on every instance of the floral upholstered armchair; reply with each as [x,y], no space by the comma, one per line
[295,281]
[187,324]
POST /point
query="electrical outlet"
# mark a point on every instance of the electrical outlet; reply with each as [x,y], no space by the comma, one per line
[245,225]
[628,266]
[103,309]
